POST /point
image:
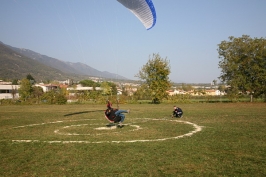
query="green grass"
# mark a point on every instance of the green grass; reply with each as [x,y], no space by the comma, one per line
[232,141]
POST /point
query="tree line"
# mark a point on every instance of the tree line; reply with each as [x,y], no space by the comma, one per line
[243,70]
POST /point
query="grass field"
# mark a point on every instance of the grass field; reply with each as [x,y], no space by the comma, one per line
[214,139]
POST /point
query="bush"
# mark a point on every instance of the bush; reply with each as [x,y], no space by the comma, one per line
[53,97]
[60,99]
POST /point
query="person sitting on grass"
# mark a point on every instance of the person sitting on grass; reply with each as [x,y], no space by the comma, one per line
[177,112]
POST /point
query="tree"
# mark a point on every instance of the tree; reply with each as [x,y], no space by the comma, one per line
[25,89]
[243,64]
[155,74]
[37,92]
[187,87]
[30,78]
[109,88]
[221,88]
[89,83]
[14,92]
[15,82]
[54,97]
[113,87]
[142,93]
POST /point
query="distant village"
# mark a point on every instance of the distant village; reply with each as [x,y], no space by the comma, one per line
[9,91]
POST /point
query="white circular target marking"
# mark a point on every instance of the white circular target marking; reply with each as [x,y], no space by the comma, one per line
[57,131]
[196,127]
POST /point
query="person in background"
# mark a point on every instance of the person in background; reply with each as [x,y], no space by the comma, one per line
[177,112]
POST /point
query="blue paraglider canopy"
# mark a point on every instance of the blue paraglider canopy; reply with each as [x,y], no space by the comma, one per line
[143,9]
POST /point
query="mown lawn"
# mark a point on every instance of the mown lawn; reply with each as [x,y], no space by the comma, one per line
[65,140]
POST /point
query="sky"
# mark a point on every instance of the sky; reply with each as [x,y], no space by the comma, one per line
[108,37]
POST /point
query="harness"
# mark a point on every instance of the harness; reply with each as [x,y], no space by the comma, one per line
[110,115]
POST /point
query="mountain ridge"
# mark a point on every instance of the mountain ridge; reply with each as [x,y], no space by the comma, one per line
[16,66]
[18,62]
[65,66]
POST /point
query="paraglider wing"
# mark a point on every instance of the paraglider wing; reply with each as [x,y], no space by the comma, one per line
[143,9]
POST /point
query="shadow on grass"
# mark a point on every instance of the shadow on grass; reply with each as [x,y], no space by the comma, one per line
[82,112]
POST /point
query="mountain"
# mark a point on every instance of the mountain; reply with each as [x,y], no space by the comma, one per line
[16,66]
[66,67]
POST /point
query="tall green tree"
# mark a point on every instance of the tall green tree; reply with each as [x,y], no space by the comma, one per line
[106,88]
[30,78]
[25,89]
[243,64]
[155,74]
[109,88]
[37,92]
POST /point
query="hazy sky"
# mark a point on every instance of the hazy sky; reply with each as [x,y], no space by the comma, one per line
[108,37]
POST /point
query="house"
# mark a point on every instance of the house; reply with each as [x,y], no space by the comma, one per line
[175,92]
[47,87]
[214,92]
[81,88]
[9,91]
